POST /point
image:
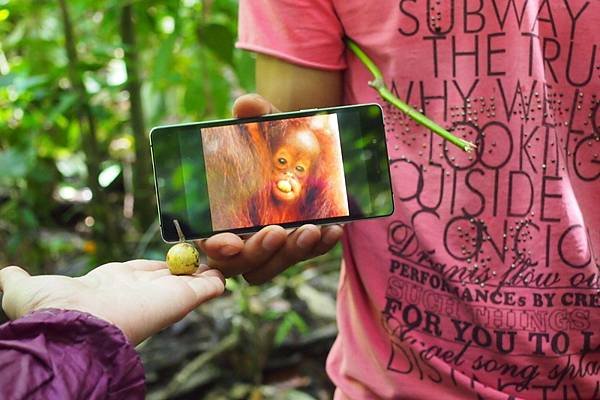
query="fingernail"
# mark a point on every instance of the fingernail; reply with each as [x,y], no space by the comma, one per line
[330,237]
[304,240]
[201,268]
[228,250]
[271,242]
[219,275]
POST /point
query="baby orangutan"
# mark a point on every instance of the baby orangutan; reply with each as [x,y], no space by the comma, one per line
[294,158]
[273,172]
[292,165]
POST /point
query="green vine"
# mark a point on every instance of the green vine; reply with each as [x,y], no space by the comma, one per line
[378,84]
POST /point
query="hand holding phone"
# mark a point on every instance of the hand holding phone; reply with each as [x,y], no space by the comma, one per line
[240,175]
[271,250]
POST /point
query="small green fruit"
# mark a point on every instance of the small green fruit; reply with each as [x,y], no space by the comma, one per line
[182,259]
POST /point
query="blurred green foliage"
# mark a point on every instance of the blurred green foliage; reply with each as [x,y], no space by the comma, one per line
[81,84]
[53,135]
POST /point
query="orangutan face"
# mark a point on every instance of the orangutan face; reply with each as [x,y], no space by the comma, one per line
[293,162]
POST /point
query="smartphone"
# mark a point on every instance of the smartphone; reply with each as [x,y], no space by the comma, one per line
[316,166]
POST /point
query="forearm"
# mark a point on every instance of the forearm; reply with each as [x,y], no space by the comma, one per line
[67,354]
[291,87]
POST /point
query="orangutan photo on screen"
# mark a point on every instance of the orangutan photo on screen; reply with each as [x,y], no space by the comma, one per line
[273,172]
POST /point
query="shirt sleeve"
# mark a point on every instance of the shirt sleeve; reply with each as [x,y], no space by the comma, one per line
[58,354]
[304,32]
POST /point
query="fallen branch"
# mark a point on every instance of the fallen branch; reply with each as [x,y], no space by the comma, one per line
[197,364]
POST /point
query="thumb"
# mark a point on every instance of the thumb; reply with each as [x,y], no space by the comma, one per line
[10,275]
[207,285]
[252,105]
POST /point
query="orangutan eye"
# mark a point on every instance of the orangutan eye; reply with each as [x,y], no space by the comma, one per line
[282,161]
[299,168]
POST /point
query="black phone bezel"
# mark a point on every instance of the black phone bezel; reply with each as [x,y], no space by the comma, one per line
[373,172]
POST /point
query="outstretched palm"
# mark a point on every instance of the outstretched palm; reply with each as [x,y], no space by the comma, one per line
[141,297]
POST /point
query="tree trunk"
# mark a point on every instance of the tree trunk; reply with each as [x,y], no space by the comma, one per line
[142,173]
[106,232]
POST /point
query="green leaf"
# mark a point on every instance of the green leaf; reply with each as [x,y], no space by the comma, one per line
[194,99]
[23,83]
[297,395]
[219,88]
[283,331]
[16,36]
[291,320]
[28,218]
[65,103]
[228,7]
[219,39]
[7,80]
[43,172]
[244,69]
[164,60]
[13,243]
[319,303]
[13,165]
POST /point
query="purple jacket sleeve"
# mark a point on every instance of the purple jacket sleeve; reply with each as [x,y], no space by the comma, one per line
[58,354]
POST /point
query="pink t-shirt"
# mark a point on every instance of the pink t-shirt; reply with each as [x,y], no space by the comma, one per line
[484,284]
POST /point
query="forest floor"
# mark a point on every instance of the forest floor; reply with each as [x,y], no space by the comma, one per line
[263,342]
[254,342]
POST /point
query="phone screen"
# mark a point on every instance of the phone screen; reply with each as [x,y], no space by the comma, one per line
[320,166]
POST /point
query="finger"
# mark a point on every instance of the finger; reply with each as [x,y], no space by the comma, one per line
[252,105]
[151,275]
[206,271]
[145,265]
[210,273]
[201,268]
[159,273]
[258,249]
[207,285]
[298,247]
[221,246]
[330,235]
[10,275]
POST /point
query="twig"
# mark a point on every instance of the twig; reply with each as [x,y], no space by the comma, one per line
[143,192]
[179,231]
[109,248]
[378,84]
[146,239]
[197,363]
